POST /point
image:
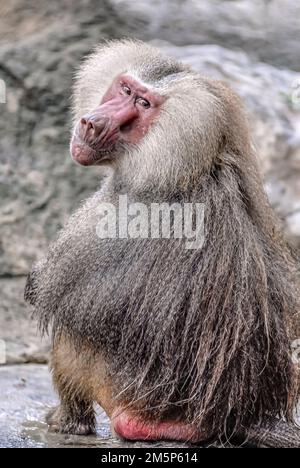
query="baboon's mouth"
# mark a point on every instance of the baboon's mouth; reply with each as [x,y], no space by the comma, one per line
[85,155]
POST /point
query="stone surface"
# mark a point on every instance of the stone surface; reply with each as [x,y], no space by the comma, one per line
[22,341]
[27,396]
[266,29]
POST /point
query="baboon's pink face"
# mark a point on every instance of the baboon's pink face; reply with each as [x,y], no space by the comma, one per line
[124,116]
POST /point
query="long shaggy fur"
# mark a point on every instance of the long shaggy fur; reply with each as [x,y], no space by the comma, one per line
[205,334]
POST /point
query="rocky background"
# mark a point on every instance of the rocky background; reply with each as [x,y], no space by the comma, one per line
[252,44]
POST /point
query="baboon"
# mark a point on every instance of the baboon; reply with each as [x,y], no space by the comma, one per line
[173,343]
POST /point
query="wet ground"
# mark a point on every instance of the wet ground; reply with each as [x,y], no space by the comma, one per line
[26,396]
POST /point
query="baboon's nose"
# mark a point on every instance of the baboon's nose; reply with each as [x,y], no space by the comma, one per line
[91,127]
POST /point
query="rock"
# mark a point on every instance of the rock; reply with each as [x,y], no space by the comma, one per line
[266,29]
[27,396]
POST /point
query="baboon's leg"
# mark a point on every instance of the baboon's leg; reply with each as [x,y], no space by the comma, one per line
[72,417]
[81,380]
[75,414]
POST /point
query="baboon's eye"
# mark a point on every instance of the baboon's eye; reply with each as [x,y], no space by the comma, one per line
[126,89]
[143,102]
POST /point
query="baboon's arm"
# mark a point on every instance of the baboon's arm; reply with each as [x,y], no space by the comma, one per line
[31,286]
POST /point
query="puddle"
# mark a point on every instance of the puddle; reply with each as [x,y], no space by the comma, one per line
[37,433]
[27,396]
